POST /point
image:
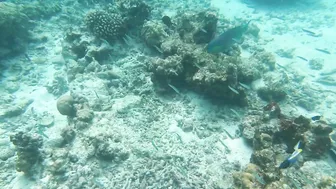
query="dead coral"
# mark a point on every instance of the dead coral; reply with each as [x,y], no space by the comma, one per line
[197,27]
[153,33]
[135,12]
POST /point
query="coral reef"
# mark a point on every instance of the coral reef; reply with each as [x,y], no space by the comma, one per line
[153,33]
[106,25]
[134,12]
[249,178]
[28,152]
[272,134]
[197,27]
[75,107]
[184,63]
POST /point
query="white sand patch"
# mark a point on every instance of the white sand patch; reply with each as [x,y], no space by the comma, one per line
[20,182]
[185,137]
[122,103]
[240,151]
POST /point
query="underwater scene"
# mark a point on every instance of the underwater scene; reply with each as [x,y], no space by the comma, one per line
[167,94]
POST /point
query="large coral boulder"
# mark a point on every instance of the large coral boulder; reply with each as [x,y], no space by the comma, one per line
[65,105]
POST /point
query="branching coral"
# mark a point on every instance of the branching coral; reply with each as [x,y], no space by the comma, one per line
[105,25]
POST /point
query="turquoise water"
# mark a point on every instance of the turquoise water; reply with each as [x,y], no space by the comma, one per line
[137,94]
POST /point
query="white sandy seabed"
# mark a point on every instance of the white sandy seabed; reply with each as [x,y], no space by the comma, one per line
[291,20]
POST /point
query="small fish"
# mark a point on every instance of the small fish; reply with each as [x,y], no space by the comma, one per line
[316,118]
[27,57]
[223,42]
[203,30]
[323,50]
[174,88]
[302,58]
[235,112]
[126,41]
[292,158]
[308,31]
[158,49]
[259,178]
[311,33]
[245,86]
[233,90]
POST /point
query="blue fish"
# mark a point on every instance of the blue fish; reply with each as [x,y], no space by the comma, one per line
[292,158]
[316,118]
[223,42]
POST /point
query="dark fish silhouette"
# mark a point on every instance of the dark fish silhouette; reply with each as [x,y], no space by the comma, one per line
[167,21]
[223,42]
[316,118]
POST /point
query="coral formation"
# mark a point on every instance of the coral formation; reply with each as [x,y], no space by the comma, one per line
[134,12]
[65,105]
[272,133]
[106,25]
[197,27]
[58,86]
[249,178]
[185,63]
[153,33]
[109,148]
[84,114]
[68,134]
[28,152]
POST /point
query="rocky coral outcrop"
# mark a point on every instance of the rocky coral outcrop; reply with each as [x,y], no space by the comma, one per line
[197,27]
[185,63]
[273,136]
[109,148]
[58,86]
[134,12]
[28,152]
[65,105]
